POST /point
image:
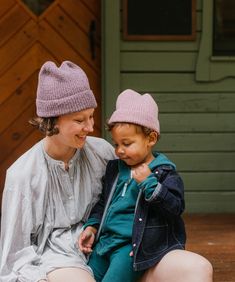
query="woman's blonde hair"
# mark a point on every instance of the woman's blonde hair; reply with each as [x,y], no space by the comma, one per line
[46,125]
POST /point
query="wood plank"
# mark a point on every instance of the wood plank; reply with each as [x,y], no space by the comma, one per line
[199,5]
[111,54]
[195,102]
[202,162]
[75,36]
[173,82]
[92,5]
[210,202]
[208,181]
[5,6]
[82,15]
[144,46]
[212,235]
[23,39]
[12,22]
[196,142]
[16,132]
[194,122]
[18,73]
[21,99]
[158,61]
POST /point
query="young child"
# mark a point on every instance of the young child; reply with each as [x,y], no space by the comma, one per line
[138,218]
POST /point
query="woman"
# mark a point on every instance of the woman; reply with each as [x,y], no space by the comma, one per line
[50,190]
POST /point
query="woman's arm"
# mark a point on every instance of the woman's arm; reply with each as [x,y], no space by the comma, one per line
[18,257]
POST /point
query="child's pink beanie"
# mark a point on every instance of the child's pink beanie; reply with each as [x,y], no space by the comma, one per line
[131,107]
[63,90]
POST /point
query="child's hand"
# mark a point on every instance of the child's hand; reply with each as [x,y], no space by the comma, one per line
[86,240]
[141,172]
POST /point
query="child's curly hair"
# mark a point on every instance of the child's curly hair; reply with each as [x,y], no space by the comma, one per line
[139,128]
[46,125]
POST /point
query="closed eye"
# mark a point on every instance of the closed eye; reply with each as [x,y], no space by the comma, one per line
[126,144]
[78,121]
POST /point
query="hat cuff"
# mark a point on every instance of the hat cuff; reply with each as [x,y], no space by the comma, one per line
[66,105]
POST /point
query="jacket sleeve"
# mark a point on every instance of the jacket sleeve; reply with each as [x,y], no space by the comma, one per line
[165,190]
[18,258]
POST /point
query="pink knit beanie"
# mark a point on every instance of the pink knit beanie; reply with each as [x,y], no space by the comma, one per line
[131,107]
[63,90]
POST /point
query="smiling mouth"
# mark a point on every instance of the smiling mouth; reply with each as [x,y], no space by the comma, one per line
[81,137]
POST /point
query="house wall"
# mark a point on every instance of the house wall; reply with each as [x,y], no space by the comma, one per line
[196,103]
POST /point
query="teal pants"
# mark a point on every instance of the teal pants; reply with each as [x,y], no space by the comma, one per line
[114,267]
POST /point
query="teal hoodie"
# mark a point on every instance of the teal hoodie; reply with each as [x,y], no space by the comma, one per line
[117,226]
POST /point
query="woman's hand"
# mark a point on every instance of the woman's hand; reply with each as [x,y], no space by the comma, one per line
[86,240]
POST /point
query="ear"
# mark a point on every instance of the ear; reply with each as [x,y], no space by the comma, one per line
[153,136]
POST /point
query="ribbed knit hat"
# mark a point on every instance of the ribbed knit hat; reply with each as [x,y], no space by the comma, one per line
[132,107]
[63,90]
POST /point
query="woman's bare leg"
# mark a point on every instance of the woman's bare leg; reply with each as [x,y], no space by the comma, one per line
[71,275]
[180,266]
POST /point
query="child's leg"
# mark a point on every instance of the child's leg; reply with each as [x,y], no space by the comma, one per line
[121,266]
[180,266]
[99,265]
[70,274]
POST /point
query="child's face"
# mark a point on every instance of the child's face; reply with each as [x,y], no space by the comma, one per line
[132,145]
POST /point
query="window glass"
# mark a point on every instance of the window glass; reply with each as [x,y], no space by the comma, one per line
[224,28]
[38,6]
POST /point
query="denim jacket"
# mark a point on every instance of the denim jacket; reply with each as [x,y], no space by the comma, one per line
[158,227]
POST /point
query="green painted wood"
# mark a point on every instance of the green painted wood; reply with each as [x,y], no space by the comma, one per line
[211,202]
[206,161]
[110,56]
[196,142]
[173,82]
[209,68]
[158,61]
[197,122]
[195,102]
[208,181]
[197,119]
[199,5]
[161,45]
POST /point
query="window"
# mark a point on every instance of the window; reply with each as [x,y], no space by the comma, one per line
[224,28]
[215,60]
[38,6]
[159,20]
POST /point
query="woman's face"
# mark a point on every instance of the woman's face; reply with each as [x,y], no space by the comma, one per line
[74,128]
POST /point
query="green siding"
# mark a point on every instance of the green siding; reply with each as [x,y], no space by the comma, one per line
[197,117]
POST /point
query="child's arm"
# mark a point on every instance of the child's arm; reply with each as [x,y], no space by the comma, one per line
[164,188]
[141,173]
[86,239]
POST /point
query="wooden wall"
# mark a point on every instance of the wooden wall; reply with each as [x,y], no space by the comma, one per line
[197,117]
[62,32]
